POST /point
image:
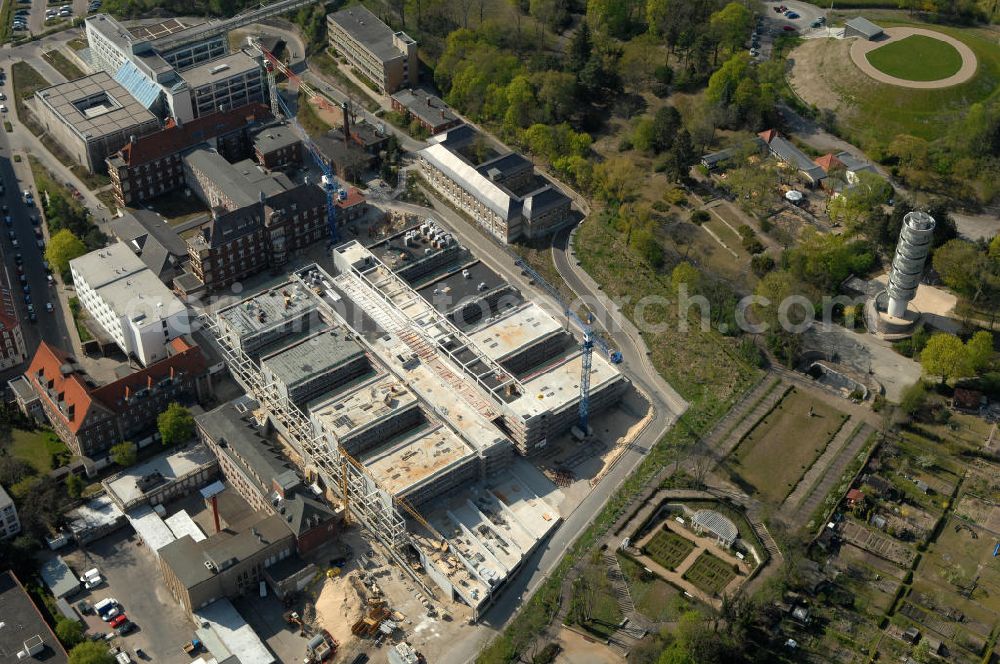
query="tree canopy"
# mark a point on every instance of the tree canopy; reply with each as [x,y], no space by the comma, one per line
[175,424]
[64,247]
[91,652]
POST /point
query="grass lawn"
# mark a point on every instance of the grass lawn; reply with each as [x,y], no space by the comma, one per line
[63,65]
[653,597]
[77,43]
[710,574]
[177,209]
[78,317]
[668,548]
[35,447]
[785,443]
[917,58]
[605,613]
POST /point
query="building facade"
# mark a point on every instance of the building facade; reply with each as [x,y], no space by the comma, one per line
[12,349]
[92,117]
[429,111]
[151,166]
[90,418]
[232,81]
[129,302]
[277,147]
[10,525]
[387,58]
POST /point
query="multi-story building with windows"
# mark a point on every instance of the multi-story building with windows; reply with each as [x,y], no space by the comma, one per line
[10,525]
[129,302]
[90,418]
[502,194]
[387,58]
[259,219]
[232,81]
[149,166]
[93,117]
[12,350]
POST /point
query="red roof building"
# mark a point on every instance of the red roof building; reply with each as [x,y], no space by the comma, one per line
[855,497]
[91,418]
[769,135]
[352,206]
[829,162]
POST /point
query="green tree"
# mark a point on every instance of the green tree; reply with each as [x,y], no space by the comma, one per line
[687,275]
[91,652]
[64,247]
[914,398]
[74,485]
[553,14]
[980,350]
[580,47]
[70,632]
[946,356]
[731,25]
[124,454]
[860,200]
[176,424]
[556,94]
[723,83]
[962,267]
[617,179]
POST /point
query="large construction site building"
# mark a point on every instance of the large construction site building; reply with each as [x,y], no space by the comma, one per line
[382,392]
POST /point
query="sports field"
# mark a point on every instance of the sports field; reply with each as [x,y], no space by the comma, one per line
[917,58]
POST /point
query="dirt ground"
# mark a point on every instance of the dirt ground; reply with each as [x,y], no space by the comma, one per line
[338,607]
[579,649]
[812,66]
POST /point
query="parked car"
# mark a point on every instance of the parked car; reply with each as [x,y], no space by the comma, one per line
[96,580]
[789,28]
[792,15]
[125,628]
[118,620]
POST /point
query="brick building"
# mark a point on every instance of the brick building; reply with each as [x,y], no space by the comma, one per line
[258,219]
[151,165]
[277,147]
[254,469]
[90,418]
[429,111]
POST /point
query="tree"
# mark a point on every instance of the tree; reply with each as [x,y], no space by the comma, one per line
[124,454]
[580,48]
[687,275]
[64,247]
[176,424]
[91,652]
[914,398]
[980,349]
[70,632]
[617,179]
[553,14]
[74,485]
[962,266]
[860,200]
[945,355]
[731,24]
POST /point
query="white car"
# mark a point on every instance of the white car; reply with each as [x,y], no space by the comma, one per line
[96,580]
[3,108]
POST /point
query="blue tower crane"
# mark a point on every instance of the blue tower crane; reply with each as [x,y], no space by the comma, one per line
[330,187]
[590,339]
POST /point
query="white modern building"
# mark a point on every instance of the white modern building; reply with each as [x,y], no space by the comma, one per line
[129,302]
[10,524]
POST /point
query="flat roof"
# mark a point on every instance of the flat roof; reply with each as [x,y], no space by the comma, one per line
[450,290]
[516,330]
[22,621]
[558,386]
[171,465]
[182,524]
[238,638]
[403,464]
[100,512]
[96,105]
[220,69]
[59,577]
[158,29]
[127,285]
[245,317]
[372,401]
[367,29]
[313,356]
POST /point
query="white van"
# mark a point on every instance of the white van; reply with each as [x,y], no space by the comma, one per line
[91,573]
[104,605]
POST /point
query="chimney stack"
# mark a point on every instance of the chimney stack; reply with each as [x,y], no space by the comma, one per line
[347,123]
[149,381]
[215,512]
[172,372]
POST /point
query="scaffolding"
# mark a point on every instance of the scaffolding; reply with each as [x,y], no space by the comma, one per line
[390,296]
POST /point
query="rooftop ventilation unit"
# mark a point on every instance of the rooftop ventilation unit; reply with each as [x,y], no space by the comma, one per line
[217,68]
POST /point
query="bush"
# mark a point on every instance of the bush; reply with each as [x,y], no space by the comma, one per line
[699,217]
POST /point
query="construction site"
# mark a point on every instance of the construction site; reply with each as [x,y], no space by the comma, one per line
[423,394]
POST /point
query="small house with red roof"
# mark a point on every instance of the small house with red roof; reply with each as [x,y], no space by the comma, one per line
[854,498]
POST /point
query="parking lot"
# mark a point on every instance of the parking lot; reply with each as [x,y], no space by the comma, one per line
[133,578]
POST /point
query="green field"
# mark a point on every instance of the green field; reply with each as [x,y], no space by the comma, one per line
[782,446]
[917,58]
[35,447]
[653,597]
[710,574]
[668,549]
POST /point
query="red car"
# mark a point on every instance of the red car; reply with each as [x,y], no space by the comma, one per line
[789,28]
[118,620]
